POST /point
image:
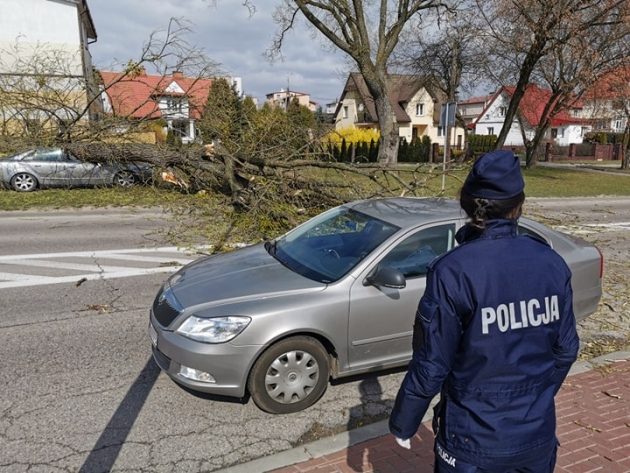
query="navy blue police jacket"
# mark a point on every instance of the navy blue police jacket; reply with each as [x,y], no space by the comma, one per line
[495,336]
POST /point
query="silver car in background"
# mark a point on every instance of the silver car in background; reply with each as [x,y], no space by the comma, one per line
[55,167]
[334,297]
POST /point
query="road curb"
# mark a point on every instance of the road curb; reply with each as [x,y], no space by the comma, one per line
[343,440]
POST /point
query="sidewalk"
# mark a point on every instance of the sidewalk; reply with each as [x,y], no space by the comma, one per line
[593,416]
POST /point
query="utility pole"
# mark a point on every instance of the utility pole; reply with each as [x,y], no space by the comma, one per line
[286,102]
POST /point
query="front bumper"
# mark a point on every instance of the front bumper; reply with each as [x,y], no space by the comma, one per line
[228,364]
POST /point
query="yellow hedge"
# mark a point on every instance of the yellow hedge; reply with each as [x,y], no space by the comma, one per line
[352,135]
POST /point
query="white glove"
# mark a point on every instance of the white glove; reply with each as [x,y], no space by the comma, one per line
[404,443]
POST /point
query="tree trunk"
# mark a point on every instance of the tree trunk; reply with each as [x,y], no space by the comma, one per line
[388,152]
[378,86]
[625,148]
[533,147]
[532,58]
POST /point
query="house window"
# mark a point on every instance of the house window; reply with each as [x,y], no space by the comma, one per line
[554,133]
[491,130]
[502,111]
[345,111]
[618,124]
[440,131]
[180,128]
[174,105]
[419,109]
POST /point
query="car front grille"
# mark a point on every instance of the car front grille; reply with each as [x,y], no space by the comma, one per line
[163,311]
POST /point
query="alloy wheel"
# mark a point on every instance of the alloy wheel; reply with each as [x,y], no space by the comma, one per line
[124,179]
[23,182]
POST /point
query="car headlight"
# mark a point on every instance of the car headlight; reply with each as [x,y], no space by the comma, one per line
[213,329]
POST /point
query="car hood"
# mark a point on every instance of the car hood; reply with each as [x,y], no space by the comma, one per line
[244,274]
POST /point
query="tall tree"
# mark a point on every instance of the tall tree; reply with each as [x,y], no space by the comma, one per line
[522,32]
[219,117]
[450,57]
[571,69]
[609,101]
[368,32]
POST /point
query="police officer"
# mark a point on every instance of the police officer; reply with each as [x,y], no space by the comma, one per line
[494,335]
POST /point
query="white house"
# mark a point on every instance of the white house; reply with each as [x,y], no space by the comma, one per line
[566,127]
[283,97]
[607,102]
[416,108]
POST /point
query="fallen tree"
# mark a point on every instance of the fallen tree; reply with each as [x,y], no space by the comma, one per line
[266,193]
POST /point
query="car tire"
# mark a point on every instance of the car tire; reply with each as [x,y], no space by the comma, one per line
[24,182]
[125,179]
[290,375]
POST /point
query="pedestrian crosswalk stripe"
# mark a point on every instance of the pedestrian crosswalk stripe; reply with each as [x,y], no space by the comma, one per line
[103,265]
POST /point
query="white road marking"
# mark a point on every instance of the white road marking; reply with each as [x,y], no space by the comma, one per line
[609,225]
[145,259]
[89,254]
[588,228]
[99,268]
[95,271]
[20,277]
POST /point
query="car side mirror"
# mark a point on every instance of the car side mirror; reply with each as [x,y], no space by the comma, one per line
[386,276]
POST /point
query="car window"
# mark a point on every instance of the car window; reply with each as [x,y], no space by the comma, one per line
[48,155]
[412,256]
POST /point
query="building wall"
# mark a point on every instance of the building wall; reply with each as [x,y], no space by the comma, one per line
[47,38]
[41,25]
[282,98]
[570,134]
[423,120]
[470,111]
[347,115]
[606,115]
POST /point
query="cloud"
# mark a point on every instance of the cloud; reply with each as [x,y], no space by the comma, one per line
[231,36]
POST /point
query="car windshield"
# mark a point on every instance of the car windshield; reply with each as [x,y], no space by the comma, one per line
[330,245]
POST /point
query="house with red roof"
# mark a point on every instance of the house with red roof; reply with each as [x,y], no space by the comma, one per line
[567,126]
[176,99]
[607,102]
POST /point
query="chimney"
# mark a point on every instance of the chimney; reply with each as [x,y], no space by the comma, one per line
[178,75]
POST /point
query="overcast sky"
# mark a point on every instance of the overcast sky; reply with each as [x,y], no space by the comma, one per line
[225,30]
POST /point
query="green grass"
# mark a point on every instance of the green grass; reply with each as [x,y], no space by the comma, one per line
[101,197]
[540,182]
[548,182]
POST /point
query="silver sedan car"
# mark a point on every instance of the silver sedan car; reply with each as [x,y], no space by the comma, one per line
[55,167]
[334,297]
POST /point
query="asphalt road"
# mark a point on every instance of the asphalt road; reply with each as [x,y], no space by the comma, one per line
[80,391]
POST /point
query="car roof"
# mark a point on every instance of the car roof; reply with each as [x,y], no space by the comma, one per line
[406,212]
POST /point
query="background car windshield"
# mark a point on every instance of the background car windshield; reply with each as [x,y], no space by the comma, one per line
[330,245]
